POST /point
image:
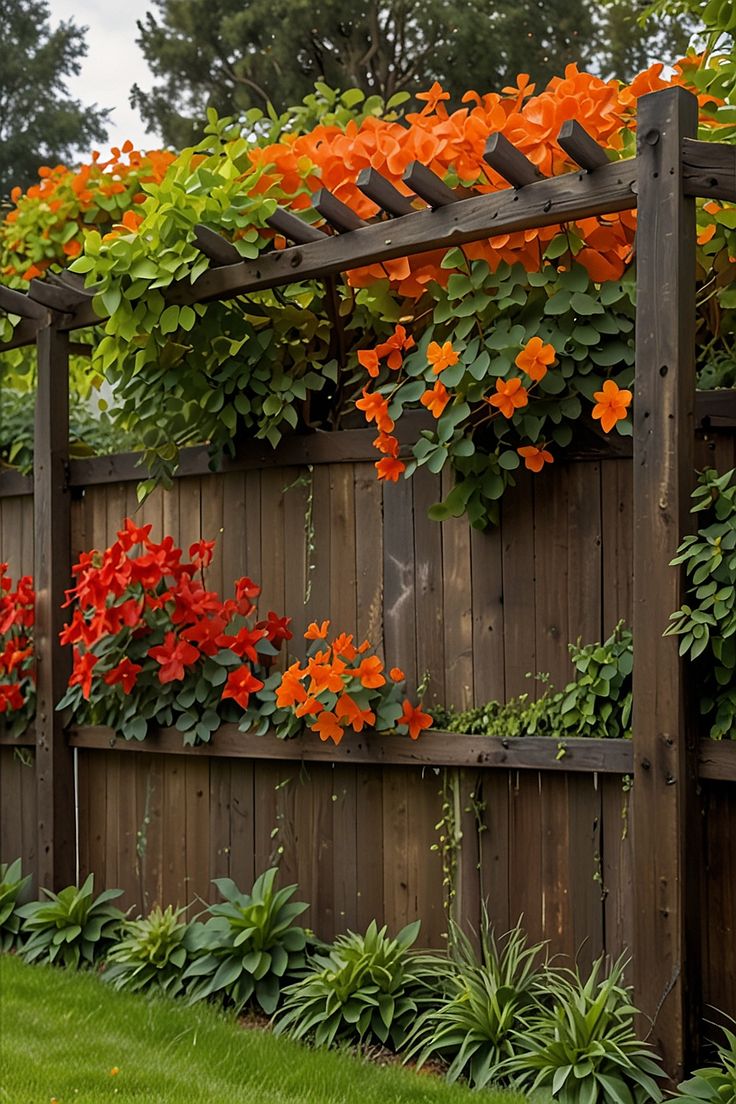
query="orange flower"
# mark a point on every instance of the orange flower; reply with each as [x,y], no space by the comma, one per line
[389,468]
[375,408]
[328,727]
[343,646]
[349,711]
[415,719]
[317,632]
[368,358]
[510,396]
[437,399]
[311,706]
[611,405]
[290,690]
[535,458]
[387,444]
[392,348]
[535,358]
[369,673]
[396,674]
[441,356]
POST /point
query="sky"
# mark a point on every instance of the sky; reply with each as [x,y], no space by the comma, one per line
[114,62]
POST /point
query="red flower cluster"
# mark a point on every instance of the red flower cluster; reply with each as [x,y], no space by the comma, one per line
[143,619]
[344,686]
[17,673]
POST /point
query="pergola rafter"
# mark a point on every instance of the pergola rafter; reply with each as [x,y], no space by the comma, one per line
[670,169]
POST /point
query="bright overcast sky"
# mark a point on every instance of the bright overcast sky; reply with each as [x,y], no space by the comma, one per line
[114,62]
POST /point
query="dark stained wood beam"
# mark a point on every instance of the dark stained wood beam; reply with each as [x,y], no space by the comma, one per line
[294,228]
[17,302]
[429,187]
[336,213]
[560,199]
[24,333]
[509,162]
[580,146]
[439,749]
[555,200]
[214,246]
[709,169]
[384,194]
[56,297]
[666,814]
[52,574]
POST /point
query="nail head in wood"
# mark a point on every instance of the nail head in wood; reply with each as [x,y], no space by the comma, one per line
[580,147]
[383,193]
[509,162]
[293,228]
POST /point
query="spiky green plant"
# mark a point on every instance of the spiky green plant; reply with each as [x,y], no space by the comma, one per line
[712,1084]
[487,996]
[152,952]
[73,927]
[582,1047]
[363,989]
[12,884]
[248,946]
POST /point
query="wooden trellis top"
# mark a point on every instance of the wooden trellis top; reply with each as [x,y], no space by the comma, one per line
[451,217]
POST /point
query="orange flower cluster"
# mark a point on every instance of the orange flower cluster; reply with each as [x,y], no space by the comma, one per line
[48,222]
[343,686]
[452,146]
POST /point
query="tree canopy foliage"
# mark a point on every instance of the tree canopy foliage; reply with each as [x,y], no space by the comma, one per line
[237,54]
[40,122]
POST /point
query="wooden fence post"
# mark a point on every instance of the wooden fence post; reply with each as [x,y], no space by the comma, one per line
[52,571]
[665,814]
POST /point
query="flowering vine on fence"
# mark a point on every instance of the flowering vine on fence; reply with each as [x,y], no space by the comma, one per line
[153,647]
[17,669]
[507,343]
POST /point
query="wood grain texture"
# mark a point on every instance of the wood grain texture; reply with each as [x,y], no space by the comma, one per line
[666,937]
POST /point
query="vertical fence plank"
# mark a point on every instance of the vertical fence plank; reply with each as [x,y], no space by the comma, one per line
[52,573]
[667,943]
[489,676]
[398,581]
[519,588]
[428,587]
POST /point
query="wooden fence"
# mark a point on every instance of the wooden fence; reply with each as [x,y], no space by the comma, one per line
[359,827]
[586,545]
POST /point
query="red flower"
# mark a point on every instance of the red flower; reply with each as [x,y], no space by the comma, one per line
[201,552]
[82,671]
[10,697]
[240,685]
[173,655]
[125,674]
[244,642]
[132,534]
[277,628]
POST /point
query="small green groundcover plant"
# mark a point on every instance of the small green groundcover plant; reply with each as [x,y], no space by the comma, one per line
[12,884]
[73,928]
[249,946]
[713,1084]
[365,988]
[597,702]
[153,952]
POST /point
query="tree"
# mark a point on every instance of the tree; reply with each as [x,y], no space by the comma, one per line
[40,122]
[236,54]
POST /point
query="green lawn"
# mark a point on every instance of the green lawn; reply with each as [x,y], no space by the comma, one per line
[62,1033]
